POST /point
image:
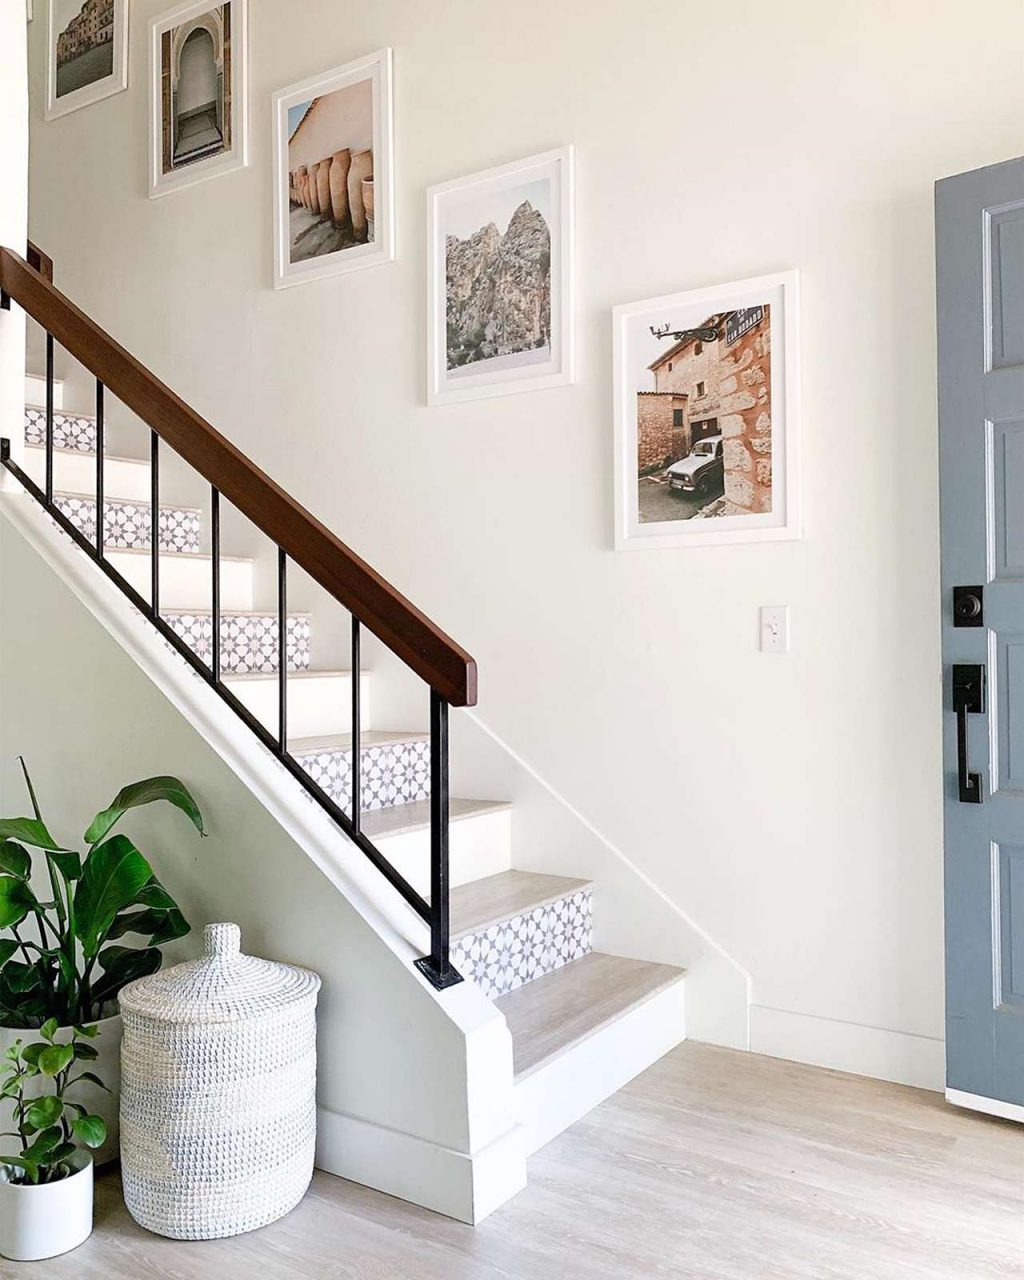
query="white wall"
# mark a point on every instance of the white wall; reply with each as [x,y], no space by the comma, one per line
[792,804]
[13,203]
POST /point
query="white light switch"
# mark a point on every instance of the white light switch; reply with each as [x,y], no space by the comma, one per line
[775,628]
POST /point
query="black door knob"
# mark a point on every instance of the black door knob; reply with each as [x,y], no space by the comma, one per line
[967,607]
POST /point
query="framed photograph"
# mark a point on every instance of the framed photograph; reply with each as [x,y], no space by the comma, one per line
[707,416]
[333,172]
[87,53]
[197,94]
[500,269]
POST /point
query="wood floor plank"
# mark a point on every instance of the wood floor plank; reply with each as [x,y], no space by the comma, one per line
[712,1165]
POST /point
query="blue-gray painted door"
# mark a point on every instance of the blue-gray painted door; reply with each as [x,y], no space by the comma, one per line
[980,272]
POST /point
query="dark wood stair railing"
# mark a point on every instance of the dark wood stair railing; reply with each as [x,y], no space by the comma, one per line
[446,668]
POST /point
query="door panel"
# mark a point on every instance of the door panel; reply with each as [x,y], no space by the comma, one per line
[980,279]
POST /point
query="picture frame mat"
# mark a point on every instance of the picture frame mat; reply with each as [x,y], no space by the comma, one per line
[780,291]
[378,67]
[116,82]
[559,370]
[161,184]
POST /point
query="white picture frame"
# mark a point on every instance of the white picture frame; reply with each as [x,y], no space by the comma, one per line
[454,208]
[741,417]
[228,76]
[341,128]
[60,101]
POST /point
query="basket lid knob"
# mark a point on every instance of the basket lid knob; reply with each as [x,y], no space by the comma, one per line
[222,940]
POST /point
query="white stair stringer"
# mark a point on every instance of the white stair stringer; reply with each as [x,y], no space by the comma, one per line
[472,1159]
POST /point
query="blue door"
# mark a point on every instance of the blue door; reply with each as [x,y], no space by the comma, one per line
[980,273]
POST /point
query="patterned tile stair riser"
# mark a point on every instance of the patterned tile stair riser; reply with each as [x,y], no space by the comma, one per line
[248,642]
[396,773]
[69,430]
[511,953]
[126,525]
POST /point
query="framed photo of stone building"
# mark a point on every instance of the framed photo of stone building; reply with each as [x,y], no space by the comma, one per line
[87,53]
[707,416]
[500,268]
[333,172]
[197,93]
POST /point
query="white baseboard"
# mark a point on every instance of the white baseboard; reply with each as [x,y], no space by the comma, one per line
[455,1183]
[989,1106]
[899,1056]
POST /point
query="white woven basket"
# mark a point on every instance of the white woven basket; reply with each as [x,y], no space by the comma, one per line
[218,1092]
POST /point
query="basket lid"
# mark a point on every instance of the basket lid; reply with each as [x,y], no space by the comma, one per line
[223,986]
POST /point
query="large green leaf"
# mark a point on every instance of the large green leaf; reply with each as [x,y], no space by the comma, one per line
[158,926]
[47,1142]
[90,1130]
[54,1058]
[139,793]
[8,946]
[16,900]
[155,895]
[122,965]
[45,1111]
[67,861]
[22,977]
[27,831]
[14,860]
[113,874]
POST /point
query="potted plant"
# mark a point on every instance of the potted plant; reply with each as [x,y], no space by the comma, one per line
[46,1189]
[64,950]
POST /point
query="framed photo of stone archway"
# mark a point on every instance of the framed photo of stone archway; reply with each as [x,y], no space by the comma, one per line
[500,280]
[707,416]
[87,53]
[333,172]
[198,114]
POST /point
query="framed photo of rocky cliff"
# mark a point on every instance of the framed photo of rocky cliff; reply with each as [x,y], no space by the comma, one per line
[197,93]
[333,172]
[707,416]
[500,270]
[87,53]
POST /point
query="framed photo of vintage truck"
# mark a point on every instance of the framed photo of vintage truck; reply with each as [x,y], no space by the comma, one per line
[707,416]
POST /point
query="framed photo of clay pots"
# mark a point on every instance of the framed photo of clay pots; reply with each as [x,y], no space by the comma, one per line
[500,269]
[707,416]
[197,93]
[87,53]
[333,172]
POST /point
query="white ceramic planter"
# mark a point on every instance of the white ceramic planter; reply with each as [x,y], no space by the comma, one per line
[107,1066]
[42,1222]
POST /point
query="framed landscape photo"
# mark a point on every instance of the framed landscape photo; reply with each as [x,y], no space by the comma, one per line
[333,172]
[197,93]
[707,416]
[500,280]
[87,53]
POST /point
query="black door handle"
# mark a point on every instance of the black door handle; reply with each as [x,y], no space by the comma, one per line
[968,699]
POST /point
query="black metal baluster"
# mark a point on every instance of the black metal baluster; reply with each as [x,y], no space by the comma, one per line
[437,966]
[215,565]
[282,650]
[154,483]
[100,501]
[49,419]
[357,772]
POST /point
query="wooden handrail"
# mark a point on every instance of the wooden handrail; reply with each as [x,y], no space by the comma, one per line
[40,261]
[424,647]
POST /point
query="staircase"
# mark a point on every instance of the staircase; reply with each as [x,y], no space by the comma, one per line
[582,1022]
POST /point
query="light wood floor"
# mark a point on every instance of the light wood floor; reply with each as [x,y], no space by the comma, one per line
[713,1165]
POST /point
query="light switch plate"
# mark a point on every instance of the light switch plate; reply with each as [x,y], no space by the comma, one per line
[775,628]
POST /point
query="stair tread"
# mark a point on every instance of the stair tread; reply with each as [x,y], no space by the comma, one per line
[343,741]
[550,1015]
[237,613]
[194,556]
[401,818]
[110,500]
[494,899]
[241,677]
[87,453]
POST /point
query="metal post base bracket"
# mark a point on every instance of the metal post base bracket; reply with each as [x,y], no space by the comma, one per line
[439,980]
